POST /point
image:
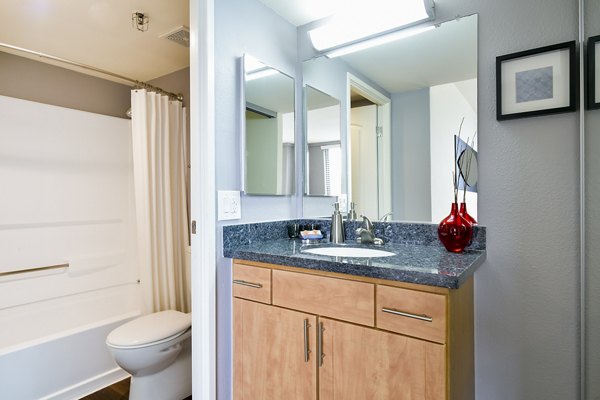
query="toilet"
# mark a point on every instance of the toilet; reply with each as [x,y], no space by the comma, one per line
[156,350]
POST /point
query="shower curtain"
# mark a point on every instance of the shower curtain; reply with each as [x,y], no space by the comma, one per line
[158,130]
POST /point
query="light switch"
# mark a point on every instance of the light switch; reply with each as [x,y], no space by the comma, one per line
[229,205]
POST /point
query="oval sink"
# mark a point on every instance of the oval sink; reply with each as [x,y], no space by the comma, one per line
[349,252]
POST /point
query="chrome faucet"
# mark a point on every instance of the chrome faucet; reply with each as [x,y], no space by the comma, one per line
[385,217]
[366,233]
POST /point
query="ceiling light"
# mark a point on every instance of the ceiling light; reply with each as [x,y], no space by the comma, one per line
[377,41]
[255,69]
[260,73]
[140,21]
[361,20]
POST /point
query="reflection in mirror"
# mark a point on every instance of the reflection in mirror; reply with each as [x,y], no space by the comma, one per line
[269,133]
[323,144]
[412,95]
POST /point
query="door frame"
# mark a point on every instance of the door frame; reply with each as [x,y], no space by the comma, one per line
[203,207]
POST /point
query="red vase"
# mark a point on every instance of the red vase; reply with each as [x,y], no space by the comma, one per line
[463,213]
[455,231]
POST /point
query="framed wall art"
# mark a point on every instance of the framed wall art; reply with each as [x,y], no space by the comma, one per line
[593,72]
[536,82]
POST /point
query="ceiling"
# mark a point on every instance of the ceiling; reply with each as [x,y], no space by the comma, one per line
[99,33]
[443,55]
[302,12]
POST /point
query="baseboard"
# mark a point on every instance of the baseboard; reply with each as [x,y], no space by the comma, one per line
[89,386]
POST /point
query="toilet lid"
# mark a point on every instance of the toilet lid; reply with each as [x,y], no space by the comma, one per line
[150,328]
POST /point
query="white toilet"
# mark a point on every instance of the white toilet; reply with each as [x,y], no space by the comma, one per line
[156,350]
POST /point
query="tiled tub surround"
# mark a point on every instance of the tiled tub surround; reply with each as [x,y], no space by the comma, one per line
[420,258]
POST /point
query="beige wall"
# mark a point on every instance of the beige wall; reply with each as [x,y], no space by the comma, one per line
[32,80]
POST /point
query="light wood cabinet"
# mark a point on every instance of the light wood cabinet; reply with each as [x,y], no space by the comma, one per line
[330,336]
[272,358]
[363,363]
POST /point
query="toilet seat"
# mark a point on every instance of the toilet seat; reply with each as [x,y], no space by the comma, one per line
[150,330]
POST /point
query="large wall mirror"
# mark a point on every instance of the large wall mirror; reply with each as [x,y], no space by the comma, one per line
[323,172]
[403,102]
[269,134]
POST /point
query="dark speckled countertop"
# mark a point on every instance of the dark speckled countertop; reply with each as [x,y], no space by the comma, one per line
[418,257]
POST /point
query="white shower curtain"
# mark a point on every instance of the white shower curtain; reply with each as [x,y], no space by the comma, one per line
[158,128]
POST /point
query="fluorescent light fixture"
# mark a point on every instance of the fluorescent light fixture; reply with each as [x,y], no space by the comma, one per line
[251,64]
[379,40]
[360,20]
[260,73]
[255,69]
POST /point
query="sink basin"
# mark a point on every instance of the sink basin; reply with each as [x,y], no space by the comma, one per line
[349,252]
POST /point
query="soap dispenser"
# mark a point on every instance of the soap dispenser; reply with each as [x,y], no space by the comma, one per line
[336,234]
[352,212]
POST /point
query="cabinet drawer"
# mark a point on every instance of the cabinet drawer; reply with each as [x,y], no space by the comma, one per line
[252,283]
[410,312]
[330,297]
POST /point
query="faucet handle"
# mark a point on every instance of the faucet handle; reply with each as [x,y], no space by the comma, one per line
[366,223]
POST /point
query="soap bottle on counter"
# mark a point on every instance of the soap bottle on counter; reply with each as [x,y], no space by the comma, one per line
[352,212]
[336,234]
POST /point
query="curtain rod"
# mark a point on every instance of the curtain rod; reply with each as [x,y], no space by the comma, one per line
[134,82]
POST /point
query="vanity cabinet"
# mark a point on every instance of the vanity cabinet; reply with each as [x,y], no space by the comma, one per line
[304,334]
[271,356]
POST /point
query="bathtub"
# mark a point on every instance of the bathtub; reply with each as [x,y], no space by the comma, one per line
[55,349]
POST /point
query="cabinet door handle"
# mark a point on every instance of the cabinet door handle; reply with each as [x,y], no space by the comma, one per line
[320,343]
[306,349]
[250,284]
[409,315]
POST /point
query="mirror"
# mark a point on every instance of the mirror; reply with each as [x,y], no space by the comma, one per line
[403,103]
[269,157]
[323,172]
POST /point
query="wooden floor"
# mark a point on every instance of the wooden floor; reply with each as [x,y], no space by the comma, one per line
[117,391]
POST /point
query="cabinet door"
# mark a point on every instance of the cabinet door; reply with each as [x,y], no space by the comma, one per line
[269,353]
[363,363]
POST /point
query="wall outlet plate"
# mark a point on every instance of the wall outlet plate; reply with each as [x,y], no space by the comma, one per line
[229,205]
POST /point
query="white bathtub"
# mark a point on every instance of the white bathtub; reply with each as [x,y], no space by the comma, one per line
[55,348]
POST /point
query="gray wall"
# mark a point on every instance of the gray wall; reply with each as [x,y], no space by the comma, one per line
[526,293]
[177,82]
[316,177]
[243,26]
[592,210]
[411,156]
[526,306]
[27,79]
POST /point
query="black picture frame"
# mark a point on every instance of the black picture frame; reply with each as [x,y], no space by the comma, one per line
[534,82]
[593,63]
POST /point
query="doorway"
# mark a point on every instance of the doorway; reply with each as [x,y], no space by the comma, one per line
[368,153]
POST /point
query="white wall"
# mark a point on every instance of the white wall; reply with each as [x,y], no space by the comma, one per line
[67,199]
[363,161]
[448,105]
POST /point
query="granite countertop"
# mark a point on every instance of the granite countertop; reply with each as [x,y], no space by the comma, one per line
[425,263]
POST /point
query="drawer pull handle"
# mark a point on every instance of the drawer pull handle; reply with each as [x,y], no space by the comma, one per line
[306,349]
[320,330]
[409,315]
[249,284]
